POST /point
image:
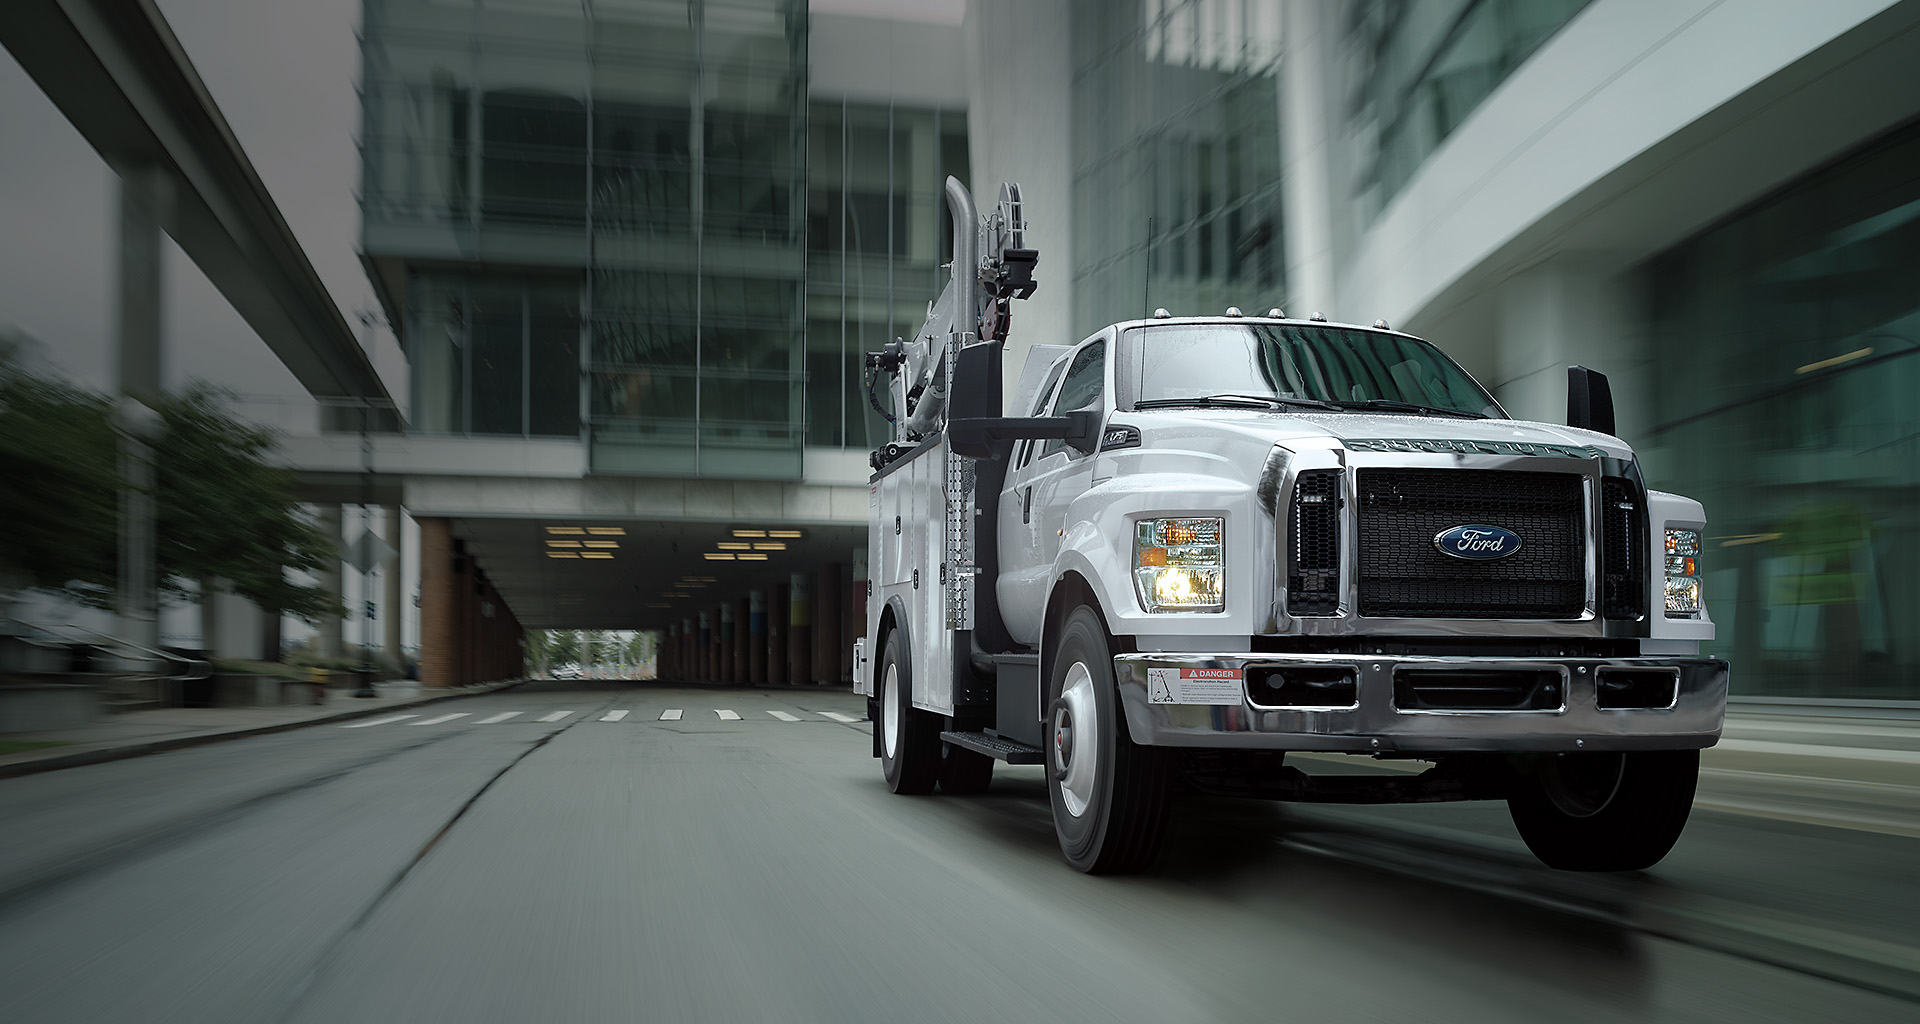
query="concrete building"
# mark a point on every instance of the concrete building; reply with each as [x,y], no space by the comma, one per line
[636,249]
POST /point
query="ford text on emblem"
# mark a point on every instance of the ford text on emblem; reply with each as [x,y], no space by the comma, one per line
[1477,543]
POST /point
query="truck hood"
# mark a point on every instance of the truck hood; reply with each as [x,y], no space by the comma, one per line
[1308,430]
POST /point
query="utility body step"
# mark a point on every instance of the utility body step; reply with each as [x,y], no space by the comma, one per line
[997,747]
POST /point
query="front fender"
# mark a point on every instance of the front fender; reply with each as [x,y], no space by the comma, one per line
[1099,547]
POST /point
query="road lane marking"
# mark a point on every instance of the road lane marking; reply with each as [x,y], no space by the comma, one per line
[727,716]
[783,716]
[613,716]
[555,717]
[838,717]
[670,715]
[378,721]
[444,718]
[501,717]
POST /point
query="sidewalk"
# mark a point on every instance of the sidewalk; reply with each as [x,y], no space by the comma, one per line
[137,733]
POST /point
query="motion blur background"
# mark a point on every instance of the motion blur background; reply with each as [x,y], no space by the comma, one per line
[627,254]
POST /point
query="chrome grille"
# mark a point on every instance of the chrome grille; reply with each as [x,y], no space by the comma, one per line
[1313,555]
[1403,575]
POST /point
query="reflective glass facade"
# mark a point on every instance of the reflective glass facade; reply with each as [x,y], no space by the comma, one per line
[1788,358]
[877,232]
[615,186]
[1176,157]
[1412,70]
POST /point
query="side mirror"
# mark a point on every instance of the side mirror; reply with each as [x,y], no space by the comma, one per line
[981,437]
[1589,400]
[1083,431]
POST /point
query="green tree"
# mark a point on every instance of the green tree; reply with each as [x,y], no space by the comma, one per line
[222,508]
[226,510]
[59,504]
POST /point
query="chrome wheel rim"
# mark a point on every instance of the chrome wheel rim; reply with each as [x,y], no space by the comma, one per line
[890,710]
[1076,740]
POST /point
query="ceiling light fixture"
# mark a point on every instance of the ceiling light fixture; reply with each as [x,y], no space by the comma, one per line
[719,556]
[748,556]
[768,546]
[596,554]
[1859,353]
[607,531]
[749,533]
[570,531]
[734,545]
[562,554]
[788,534]
[563,543]
[603,543]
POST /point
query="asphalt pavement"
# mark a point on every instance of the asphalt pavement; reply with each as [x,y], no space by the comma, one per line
[490,858]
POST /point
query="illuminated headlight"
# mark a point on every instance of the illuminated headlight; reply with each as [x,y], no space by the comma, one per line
[1178,564]
[1683,573]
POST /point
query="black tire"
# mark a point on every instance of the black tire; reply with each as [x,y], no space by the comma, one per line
[909,737]
[964,772]
[1604,811]
[1112,821]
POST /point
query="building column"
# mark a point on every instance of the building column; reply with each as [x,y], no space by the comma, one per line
[146,210]
[393,568]
[329,640]
[826,625]
[1563,312]
[439,604]
[742,671]
[777,615]
[686,659]
[800,630]
[724,642]
[1306,111]
[705,649]
[757,637]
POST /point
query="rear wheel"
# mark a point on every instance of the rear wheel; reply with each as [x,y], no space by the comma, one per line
[909,737]
[1109,796]
[1604,811]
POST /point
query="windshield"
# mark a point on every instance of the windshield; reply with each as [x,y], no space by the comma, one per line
[1324,364]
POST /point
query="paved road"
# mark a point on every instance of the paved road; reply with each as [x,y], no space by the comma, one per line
[513,864]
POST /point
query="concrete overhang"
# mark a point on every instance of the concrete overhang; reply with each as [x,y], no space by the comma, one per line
[117,73]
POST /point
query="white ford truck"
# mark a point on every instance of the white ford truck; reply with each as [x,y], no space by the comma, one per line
[1204,543]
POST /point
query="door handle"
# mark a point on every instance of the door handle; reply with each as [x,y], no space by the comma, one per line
[1026,506]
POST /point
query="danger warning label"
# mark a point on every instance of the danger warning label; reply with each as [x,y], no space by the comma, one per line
[1195,685]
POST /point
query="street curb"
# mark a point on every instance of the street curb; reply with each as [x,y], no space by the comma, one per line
[57,762]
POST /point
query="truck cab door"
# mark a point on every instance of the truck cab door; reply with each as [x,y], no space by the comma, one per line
[1046,477]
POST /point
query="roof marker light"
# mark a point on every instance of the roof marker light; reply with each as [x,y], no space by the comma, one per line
[1276,313]
[1161,313]
[1234,311]
[1318,317]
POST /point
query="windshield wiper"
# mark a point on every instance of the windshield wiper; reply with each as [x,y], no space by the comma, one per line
[1393,405]
[1240,401]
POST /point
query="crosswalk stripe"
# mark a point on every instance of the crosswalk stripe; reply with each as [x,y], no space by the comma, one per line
[555,717]
[670,715]
[501,717]
[838,717]
[613,716]
[727,716]
[444,718]
[378,721]
[783,716]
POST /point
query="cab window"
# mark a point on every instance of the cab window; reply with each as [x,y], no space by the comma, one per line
[1085,381]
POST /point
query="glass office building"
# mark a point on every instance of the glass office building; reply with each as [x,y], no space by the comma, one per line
[1789,360]
[588,220]
[1176,158]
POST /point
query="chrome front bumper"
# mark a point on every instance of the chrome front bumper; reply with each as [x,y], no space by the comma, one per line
[1374,724]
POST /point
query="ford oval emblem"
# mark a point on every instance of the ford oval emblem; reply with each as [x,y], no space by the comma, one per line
[1477,543]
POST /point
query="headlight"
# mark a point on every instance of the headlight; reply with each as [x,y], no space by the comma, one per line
[1683,574]
[1178,564]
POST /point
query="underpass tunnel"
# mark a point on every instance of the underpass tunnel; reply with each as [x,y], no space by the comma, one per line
[738,603]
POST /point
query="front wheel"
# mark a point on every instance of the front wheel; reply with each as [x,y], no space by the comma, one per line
[1109,796]
[1604,811]
[909,737]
